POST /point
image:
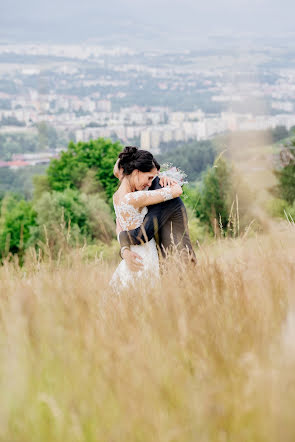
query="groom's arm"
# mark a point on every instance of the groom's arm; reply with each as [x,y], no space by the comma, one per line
[145,232]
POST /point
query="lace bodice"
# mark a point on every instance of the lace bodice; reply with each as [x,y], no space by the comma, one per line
[129,216]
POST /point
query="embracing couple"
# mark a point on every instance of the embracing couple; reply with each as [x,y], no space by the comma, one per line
[150,216]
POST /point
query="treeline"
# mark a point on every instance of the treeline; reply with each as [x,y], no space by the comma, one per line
[20,181]
[46,137]
[193,158]
[11,121]
[283,205]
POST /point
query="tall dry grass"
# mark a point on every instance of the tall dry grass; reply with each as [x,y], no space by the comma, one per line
[207,355]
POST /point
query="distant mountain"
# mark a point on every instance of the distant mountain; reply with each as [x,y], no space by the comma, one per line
[158,23]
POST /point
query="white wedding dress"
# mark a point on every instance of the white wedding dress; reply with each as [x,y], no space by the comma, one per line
[130,218]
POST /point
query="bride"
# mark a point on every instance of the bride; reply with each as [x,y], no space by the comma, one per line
[130,204]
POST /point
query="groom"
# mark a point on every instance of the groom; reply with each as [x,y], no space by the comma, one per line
[166,222]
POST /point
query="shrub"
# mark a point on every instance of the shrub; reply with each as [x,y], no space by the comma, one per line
[69,218]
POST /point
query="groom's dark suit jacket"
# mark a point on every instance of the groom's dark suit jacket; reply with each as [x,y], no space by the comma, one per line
[167,222]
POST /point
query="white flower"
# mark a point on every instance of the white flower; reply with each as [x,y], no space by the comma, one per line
[173,172]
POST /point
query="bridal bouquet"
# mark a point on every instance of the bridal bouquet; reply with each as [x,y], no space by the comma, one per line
[173,172]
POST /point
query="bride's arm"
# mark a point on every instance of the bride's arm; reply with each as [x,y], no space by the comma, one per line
[144,198]
[118,228]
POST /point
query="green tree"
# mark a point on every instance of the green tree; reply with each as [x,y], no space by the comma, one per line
[71,168]
[221,200]
[41,185]
[286,175]
[215,191]
[17,218]
[279,133]
[286,186]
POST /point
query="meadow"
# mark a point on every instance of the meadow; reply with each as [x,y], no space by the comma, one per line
[206,355]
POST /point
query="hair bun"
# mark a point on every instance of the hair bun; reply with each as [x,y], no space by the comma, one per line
[132,158]
[131,150]
[128,154]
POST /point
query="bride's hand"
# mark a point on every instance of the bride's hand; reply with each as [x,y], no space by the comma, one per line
[166,181]
[176,189]
[133,260]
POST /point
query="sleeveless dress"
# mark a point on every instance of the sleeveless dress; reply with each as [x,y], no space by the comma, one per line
[130,218]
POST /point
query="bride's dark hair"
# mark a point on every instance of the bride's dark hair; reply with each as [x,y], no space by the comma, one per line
[133,158]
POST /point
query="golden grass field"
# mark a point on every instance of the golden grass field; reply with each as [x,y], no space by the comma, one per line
[208,355]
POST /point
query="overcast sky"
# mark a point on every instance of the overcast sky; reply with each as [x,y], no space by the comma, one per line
[155,20]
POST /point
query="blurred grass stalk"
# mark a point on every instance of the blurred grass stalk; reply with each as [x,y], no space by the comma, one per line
[207,355]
